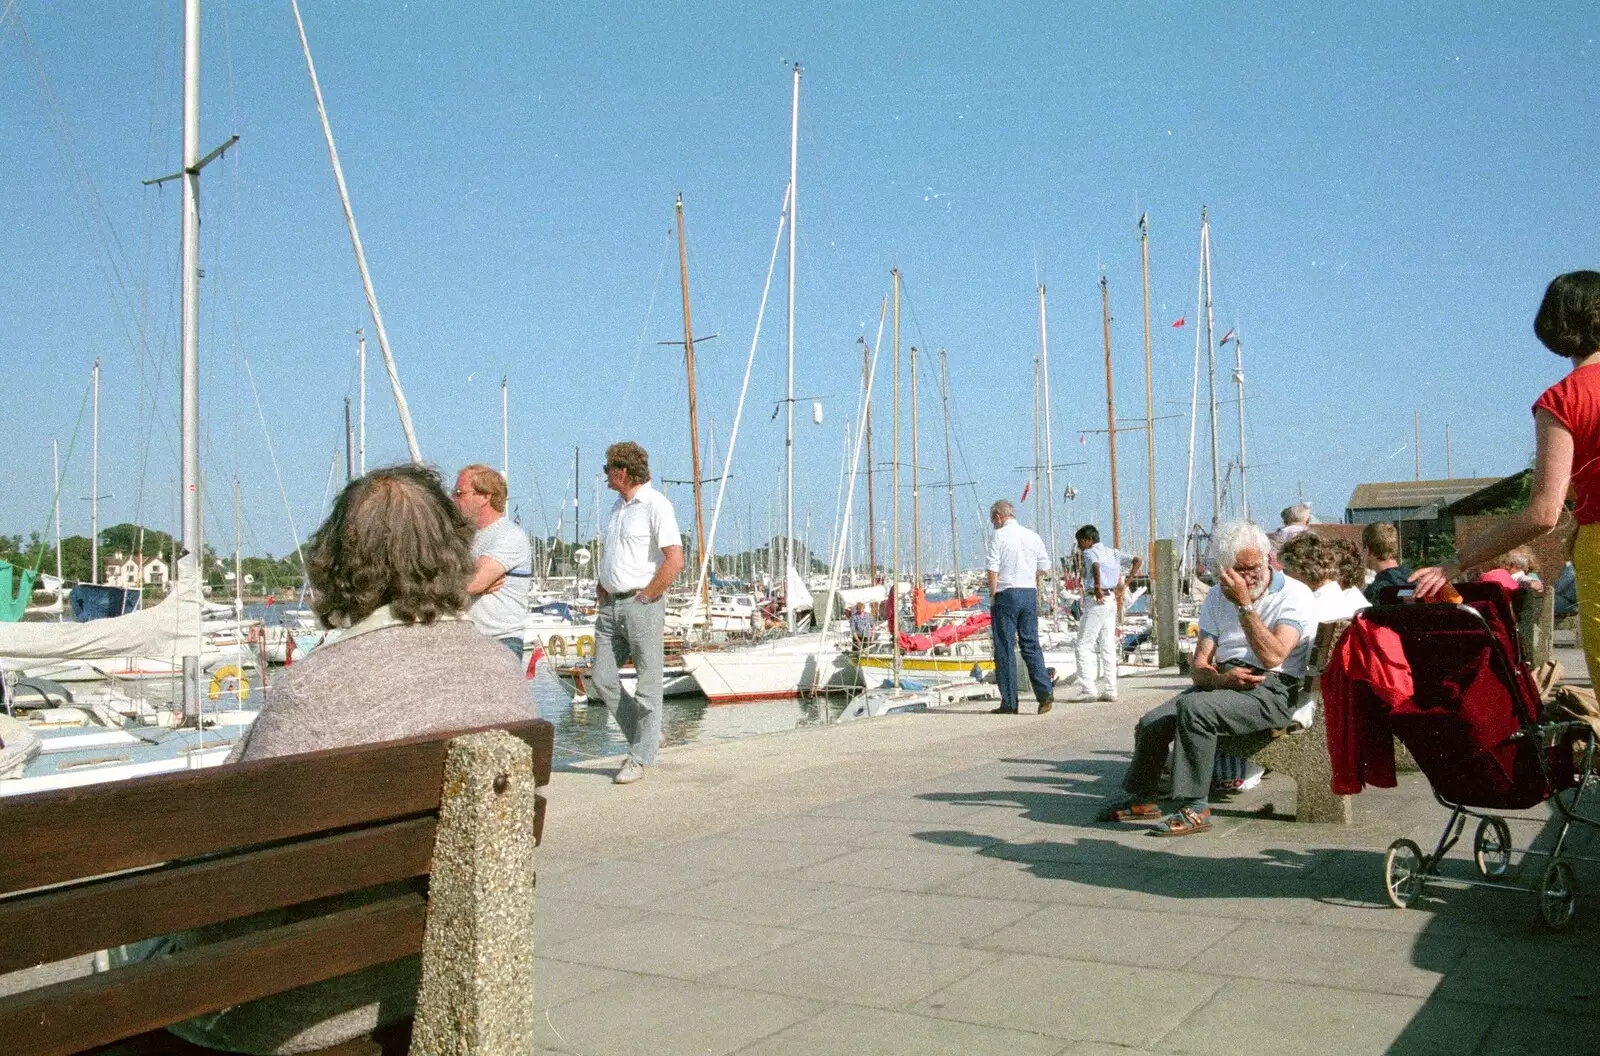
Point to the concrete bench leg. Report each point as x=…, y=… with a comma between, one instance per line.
x=1315, y=801
x=476, y=997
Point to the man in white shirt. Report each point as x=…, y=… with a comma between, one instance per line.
x=1256, y=636
x=1017, y=558
x=641, y=554
x=503, y=574
x=1097, y=629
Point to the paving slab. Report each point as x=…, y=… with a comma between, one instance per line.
x=651, y=1016
x=772, y=900
x=917, y=917
x=1347, y=959
x=1074, y=1000
x=1253, y=1017
x=886, y=973
x=846, y=1030
x=670, y=944
x=897, y=870
x=1112, y=936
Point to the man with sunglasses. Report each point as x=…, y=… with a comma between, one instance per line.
x=1257, y=630
x=641, y=553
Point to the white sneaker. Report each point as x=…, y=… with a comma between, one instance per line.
x=1110, y=698
x=632, y=770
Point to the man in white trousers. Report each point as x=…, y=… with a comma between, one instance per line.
x=1097, y=628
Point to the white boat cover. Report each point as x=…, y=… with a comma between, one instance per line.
x=850, y=597
x=797, y=598
x=170, y=628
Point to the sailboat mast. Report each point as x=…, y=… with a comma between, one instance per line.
x=55, y=472
x=916, y=492
x=894, y=571
x=238, y=561
x=872, y=525
x=694, y=416
x=505, y=434
x=94, y=481
x=349, y=444
x=1049, y=492
x=1035, y=487
x=361, y=401
x=950, y=473
x=1149, y=393
x=1211, y=370
x=788, y=441
x=1238, y=384
x=189, y=257
x=1184, y=567
x=1111, y=415
x=576, y=484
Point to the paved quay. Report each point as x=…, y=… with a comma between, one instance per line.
x=936, y=884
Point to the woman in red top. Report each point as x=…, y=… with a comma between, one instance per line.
x=1566, y=424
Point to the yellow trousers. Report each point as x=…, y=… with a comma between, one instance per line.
x=1586, y=563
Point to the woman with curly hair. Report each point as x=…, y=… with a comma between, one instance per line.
x=1566, y=424
x=390, y=567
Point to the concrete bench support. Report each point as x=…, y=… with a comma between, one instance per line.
x=1302, y=757
x=476, y=997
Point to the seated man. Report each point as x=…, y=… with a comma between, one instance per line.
x=1256, y=636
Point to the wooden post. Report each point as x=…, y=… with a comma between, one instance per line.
x=1164, y=595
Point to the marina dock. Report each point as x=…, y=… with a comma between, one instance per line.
x=935, y=883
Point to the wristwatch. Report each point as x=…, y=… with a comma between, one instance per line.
x=1244, y=609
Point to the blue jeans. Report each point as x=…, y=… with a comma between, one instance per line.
x=1015, y=613
x=514, y=644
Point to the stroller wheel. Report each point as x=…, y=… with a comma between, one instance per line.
x=1558, y=895
x=1491, y=848
x=1402, y=873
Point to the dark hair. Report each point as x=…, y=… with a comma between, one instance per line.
x=1568, y=322
x=1381, y=540
x=1089, y=532
x=1352, y=573
x=630, y=456
x=393, y=538
x=1308, y=558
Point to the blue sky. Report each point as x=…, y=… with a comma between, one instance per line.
x=1389, y=193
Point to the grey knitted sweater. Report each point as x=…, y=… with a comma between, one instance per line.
x=395, y=681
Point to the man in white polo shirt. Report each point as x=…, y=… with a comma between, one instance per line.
x=1097, y=628
x=641, y=554
x=1017, y=558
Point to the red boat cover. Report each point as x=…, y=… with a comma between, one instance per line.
x=945, y=635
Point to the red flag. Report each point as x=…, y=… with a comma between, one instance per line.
x=1225, y=338
x=1025, y=489
x=1177, y=325
x=534, y=656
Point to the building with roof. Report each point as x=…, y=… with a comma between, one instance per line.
x=1410, y=500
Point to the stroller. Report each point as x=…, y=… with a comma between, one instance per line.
x=1472, y=722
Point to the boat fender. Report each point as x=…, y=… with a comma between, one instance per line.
x=586, y=646
x=558, y=645
x=229, y=679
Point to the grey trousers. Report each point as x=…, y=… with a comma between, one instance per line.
x=1196, y=718
x=630, y=629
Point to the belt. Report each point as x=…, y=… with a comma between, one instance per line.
x=621, y=595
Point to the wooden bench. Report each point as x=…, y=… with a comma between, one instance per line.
x=1302, y=755
x=452, y=818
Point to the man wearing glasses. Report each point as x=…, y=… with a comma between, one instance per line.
x=502, y=576
x=1256, y=635
x=641, y=554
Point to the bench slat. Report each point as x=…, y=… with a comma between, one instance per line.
x=52, y=837
x=72, y=1016
x=60, y=923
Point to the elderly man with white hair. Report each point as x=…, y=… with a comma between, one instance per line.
x=1256, y=635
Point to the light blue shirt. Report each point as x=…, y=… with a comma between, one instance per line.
x=1109, y=562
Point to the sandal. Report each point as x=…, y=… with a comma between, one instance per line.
x=1130, y=811
x=1186, y=822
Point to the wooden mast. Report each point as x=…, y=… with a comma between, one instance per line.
x=894, y=573
x=1149, y=392
x=1111, y=417
x=694, y=419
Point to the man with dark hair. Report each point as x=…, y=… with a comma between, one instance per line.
x=641, y=554
x=1097, y=627
x=1017, y=559
x=503, y=573
x=1380, y=547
